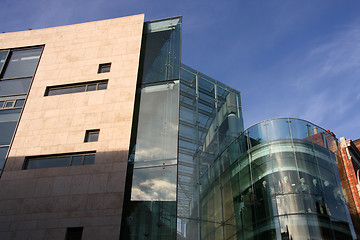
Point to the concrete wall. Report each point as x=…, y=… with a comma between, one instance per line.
x=42, y=203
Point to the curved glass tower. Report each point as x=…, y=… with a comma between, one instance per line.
x=277, y=180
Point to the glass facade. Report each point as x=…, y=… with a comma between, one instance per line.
x=277, y=180
x=194, y=173
x=150, y=197
x=17, y=69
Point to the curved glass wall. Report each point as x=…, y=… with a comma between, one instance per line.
x=277, y=180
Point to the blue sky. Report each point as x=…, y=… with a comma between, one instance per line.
x=288, y=58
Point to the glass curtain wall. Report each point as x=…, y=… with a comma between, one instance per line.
x=277, y=180
x=150, y=200
x=17, y=69
x=210, y=118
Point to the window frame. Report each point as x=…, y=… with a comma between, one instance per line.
x=89, y=132
x=50, y=156
x=71, y=85
x=103, y=66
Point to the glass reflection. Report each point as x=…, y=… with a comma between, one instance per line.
x=288, y=189
x=154, y=184
x=22, y=63
x=15, y=86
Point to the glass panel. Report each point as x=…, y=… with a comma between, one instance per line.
x=76, y=160
x=91, y=87
x=48, y=162
x=92, y=136
x=66, y=90
x=9, y=115
x=154, y=184
x=104, y=68
x=277, y=129
x=22, y=63
x=15, y=86
x=1, y=104
x=9, y=104
x=3, y=152
x=161, y=60
x=157, y=134
x=102, y=86
x=3, y=55
x=20, y=103
x=7, y=130
x=300, y=129
x=89, y=159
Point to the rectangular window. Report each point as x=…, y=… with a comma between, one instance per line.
x=59, y=160
x=22, y=63
x=92, y=135
x=13, y=103
x=76, y=87
x=74, y=233
x=104, y=68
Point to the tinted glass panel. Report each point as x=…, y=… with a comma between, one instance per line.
x=15, y=86
x=48, y=162
x=9, y=115
x=3, y=151
x=7, y=130
x=2, y=58
x=92, y=136
x=89, y=159
x=104, y=68
x=1, y=104
x=9, y=104
x=22, y=63
x=76, y=160
x=20, y=103
x=91, y=87
x=67, y=90
x=102, y=86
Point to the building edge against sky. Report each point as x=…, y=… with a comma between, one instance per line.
x=117, y=138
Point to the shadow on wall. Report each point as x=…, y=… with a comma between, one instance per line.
x=42, y=203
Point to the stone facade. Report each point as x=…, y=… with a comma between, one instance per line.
x=43, y=203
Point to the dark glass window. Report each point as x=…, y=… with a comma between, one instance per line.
x=77, y=160
x=60, y=160
x=89, y=159
x=7, y=130
x=3, y=152
x=91, y=87
x=20, y=103
x=22, y=63
x=92, y=135
x=15, y=86
x=3, y=55
x=9, y=104
x=75, y=88
x=104, y=68
x=74, y=233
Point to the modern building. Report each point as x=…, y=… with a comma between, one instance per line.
x=105, y=134
x=349, y=165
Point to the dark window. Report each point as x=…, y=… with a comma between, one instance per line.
x=59, y=160
x=15, y=86
x=13, y=103
x=74, y=233
x=104, y=68
x=22, y=63
x=9, y=104
x=92, y=135
x=76, y=87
